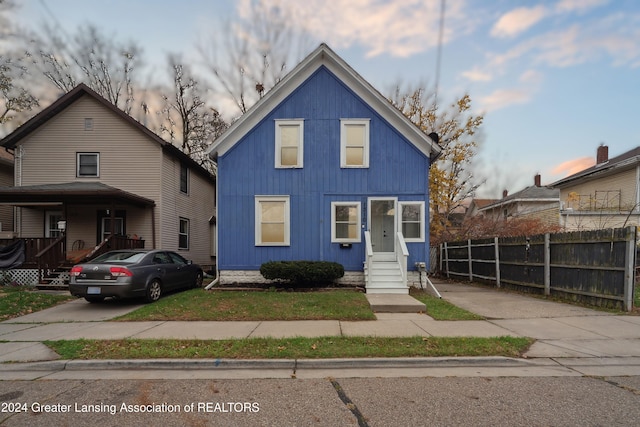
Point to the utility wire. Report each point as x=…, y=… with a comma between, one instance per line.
x=439, y=52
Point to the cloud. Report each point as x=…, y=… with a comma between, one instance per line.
x=477, y=75
x=399, y=29
x=571, y=167
x=565, y=6
x=502, y=98
x=531, y=77
x=518, y=20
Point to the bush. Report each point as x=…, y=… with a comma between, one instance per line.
x=302, y=273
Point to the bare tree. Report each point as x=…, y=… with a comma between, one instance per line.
x=187, y=118
x=105, y=65
x=249, y=57
x=15, y=98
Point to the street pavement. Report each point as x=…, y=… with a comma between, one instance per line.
x=570, y=341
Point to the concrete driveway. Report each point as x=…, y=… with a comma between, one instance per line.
x=80, y=311
x=492, y=304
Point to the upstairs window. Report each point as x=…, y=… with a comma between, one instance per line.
x=87, y=165
x=354, y=143
x=289, y=143
x=184, y=178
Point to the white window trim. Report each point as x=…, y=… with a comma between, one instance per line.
x=343, y=142
x=188, y=223
x=258, y=220
x=97, y=175
x=278, y=147
x=334, y=239
x=422, y=219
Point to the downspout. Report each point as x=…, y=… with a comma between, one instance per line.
x=17, y=212
x=214, y=157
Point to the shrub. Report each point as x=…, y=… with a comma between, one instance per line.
x=302, y=273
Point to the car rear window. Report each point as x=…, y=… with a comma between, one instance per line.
x=120, y=257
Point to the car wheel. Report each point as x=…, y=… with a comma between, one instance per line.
x=198, y=282
x=94, y=300
x=154, y=290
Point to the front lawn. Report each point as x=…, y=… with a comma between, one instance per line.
x=198, y=304
x=16, y=301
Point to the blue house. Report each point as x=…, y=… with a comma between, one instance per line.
x=323, y=167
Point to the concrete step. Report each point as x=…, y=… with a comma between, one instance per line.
x=394, y=303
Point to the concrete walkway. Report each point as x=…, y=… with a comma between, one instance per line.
x=563, y=331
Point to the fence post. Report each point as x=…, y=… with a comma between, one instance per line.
x=497, y=256
x=547, y=264
x=446, y=254
x=630, y=270
x=470, y=260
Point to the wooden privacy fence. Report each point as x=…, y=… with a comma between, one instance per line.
x=597, y=267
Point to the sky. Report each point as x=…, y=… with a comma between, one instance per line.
x=554, y=79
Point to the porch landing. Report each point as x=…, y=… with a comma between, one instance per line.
x=395, y=303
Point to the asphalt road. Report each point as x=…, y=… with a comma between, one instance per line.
x=479, y=401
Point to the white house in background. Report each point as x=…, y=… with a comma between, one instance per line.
x=606, y=195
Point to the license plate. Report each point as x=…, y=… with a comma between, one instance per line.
x=91, y=290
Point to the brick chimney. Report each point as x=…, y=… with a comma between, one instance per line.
x=536, y=180
x=602, y=155
x=505, y=193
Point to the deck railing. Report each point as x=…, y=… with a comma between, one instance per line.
x=47, y=253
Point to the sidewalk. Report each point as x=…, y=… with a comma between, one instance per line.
x=562, y=331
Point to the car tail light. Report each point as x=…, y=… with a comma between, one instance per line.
x=121, y=272
x=75, y=270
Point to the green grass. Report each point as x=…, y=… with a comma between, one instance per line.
x=18, y=301
x=198, y=304
x=440, y=309
x=292, y=348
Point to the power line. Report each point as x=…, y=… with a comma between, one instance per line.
x=439, y=52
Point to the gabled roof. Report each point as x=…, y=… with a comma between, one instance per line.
x=324, y=56
x=13, y=139
x=625, y=160
x=532, y=193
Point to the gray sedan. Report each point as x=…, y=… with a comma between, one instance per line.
x=133, y=273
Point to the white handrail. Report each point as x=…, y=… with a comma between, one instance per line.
x=369, y=256
x=402, y=253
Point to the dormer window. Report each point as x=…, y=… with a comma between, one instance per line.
x=289, y=149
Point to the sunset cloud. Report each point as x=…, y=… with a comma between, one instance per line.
x=502, y=98
x=571, y=167
x=399, y=29
x=518, y=21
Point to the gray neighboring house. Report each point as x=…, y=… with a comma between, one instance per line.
x=533, y=202
x=89, y=178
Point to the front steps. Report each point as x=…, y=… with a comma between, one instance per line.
x=385, y=277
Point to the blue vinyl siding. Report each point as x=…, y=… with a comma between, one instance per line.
x=397, y=169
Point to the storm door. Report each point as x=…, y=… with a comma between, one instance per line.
x=382, y=226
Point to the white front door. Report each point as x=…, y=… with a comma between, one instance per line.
x=382, y=226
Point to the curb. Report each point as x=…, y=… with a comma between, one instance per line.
x=276, y=364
